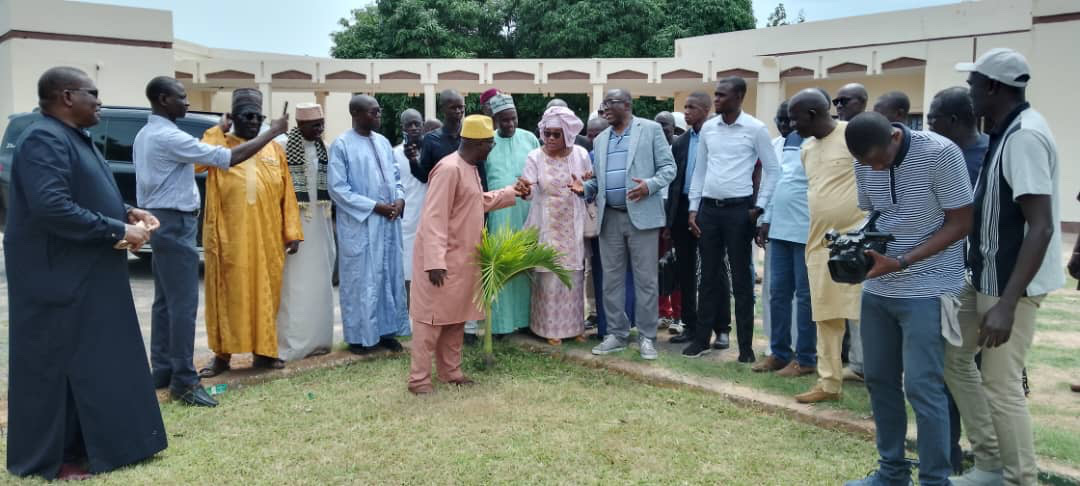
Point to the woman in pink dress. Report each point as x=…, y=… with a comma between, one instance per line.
x=555, y=171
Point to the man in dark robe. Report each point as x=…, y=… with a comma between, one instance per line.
x=80, y=396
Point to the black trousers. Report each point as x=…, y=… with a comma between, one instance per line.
x=726, y=231
x=686, y=262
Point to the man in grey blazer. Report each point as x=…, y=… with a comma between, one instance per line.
x=632, y=163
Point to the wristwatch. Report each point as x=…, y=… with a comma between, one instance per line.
x=903, y=262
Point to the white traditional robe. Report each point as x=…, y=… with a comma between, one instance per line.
x=306, y=317
x=362, y=173
x=414, y=202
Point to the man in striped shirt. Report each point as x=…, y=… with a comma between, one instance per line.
x=1012, y=270
x=917, y=182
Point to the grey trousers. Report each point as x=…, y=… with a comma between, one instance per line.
x=621, y=242
x=176, y=297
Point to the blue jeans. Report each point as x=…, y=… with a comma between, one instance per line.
x=176, y=297
x=904, y=351
x=788, y=279
x=598, y=290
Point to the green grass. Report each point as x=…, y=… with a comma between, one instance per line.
x=1062, y=444
x=531, y=420
x=1057, y=357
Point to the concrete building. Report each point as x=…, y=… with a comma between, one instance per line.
x=911, y=51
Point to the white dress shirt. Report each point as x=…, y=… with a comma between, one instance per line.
x=726, y=158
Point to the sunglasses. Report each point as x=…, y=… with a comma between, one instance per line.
x=92, y=92
x=841, y=101
x=251, y=116
x=552, y=134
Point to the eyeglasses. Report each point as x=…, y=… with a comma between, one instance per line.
x=608, y=103
x=92, y=92
x=252, y=116
x=842, y=101
x=552, y=134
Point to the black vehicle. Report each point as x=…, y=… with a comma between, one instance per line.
x=114, y=136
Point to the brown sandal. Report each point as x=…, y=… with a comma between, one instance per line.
x=217, y=367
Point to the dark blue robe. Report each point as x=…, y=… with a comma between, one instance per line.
x=79, y=379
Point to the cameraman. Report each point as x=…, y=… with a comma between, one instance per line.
x=918, y=182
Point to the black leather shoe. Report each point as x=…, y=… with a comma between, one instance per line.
x=392, y=344
x=746, y=357
x=361, y=350
x=722, y=341
x=195, y=396
x=682, y=337
x=161, y=378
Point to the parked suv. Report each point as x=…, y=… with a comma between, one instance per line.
x=114, y=136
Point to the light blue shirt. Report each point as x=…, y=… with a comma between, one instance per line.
x=691, y=157
x=617, y=150
x=788, y=214
x=164, y=157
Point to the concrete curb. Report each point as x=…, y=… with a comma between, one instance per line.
x=1049, y=471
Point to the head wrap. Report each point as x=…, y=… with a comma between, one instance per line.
x=564, y=119
x=477, y=127
x=308, y=112
x=246, y=96
x=500, y=102
x=487, y=95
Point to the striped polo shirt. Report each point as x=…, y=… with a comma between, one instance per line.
x=618, y=149
x=928, y=176
x=1022, y=160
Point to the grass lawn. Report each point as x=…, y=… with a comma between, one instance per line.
x=532, y=420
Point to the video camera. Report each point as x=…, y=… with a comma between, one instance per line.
x=848, y=261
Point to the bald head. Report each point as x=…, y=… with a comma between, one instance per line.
x=667, y=124
x=808, y=111
x=366, y=114
x=452, y=107
x=361, y=102
x=850, y=101
x=867, y=135
x=595, y=126
x=894, y=105
x=53, y=83
x=952, y=115
x=412, y=124
x=556, y=102
x=431, y=125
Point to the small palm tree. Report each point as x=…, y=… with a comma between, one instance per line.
x=502, y=256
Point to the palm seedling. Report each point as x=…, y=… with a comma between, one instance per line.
x=502, y=256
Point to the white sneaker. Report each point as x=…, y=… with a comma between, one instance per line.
x=610, y=344
x=676, y=327
x=978, y=477
x=648, y=350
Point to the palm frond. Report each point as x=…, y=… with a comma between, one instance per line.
x=506, y=253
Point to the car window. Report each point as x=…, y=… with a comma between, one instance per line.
x=193, y=127
x=120, y=137
x=14, y=129
x=97, y=135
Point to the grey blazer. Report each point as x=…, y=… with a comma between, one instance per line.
x=649, y=159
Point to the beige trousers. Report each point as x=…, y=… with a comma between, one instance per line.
x=992, y=405
x=830, y=344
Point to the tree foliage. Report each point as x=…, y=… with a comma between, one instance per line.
x=529, y=29
x=779, y=16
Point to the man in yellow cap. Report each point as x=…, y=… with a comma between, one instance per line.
x=444, y=275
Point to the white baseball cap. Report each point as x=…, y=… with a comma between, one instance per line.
x=1003, y=65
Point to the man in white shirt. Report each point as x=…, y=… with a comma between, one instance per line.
x=724, y=213
x=412, y=125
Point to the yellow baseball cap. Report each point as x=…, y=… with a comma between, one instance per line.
x=477, y=127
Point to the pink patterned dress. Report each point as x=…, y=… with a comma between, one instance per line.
x=559, y=215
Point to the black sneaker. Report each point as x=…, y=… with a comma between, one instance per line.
x=695, y=350
x=683, y=337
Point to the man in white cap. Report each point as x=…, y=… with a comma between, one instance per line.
x=306, y=317
x=1011, y=271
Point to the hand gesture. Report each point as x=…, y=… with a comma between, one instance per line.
x=398, y=209
x=226, y=123
x=437, y=277
x=412, y=152
x=291, y=247
x=639, y=192
x=882, y=264
x=576, y=186
x=997, y=325
x=136, y=215
x=280, y=125
x=694, y=229
x=523, y=187
x=386, y=210
x=762, y=236
x=136, y=235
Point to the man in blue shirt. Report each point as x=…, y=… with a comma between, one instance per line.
x=784, y=229
x=165, y=158
x=952, y=116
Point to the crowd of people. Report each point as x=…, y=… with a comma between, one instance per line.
x=949, y=306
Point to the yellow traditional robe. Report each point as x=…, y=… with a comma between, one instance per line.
x=250, y=213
